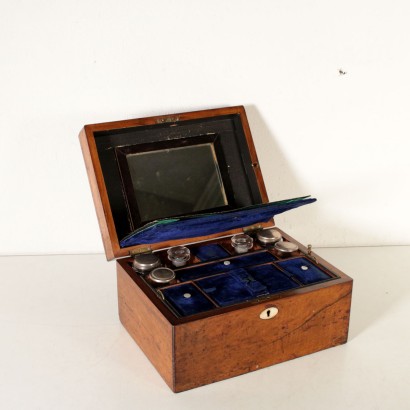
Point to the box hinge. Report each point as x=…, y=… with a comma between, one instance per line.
x=142, y=249
x=167, y=119
x=252, y=228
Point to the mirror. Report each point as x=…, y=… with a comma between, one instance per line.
x=175, y=181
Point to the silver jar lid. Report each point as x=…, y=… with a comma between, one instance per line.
x=286, y=247
x=241, y=243
x=179, y=255
x=145, y=262
x=162, y=275
x=268, y=236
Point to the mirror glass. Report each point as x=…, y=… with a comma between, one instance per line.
x=176, y=181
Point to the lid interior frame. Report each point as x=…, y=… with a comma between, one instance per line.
x=97, y=180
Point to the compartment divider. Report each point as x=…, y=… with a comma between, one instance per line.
x=207, y=296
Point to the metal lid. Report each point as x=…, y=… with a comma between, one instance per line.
x=286, y=247
x=162, y=275
x=268, y=236
x=145, y=262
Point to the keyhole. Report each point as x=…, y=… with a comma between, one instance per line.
x=269, y=313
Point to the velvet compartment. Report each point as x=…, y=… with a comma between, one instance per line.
x=237, y=284
x=252, y=259
x=270, y=276
x=230, y=288
x=187, y=299
x=211, y=252
x=303, y=270
x=207, y=224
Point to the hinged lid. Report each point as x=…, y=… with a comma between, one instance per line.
x=168, y=180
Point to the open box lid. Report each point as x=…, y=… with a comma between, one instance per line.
x=168, y=180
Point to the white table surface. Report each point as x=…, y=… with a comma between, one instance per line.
x=63, y=347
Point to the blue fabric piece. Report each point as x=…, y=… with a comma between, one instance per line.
x=207, y=224
x=207, y=253
x=255, y=287
x=271, y=277
x=196, y=303
x=226, y=289
x=312, y=275
x=195, y=272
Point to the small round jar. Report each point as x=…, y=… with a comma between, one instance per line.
x=285, y=248
x=161, y=277
x=179, y=255
x=268, y=237
x=241, y=243
x=145, y=262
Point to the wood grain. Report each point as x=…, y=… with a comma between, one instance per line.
x=101, y=203
x=146, y=325
x=238, y=342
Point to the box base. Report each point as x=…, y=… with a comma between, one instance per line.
x=192, y=353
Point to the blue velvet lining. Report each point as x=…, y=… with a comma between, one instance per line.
x=238, y=285
x=311, y=275
x=196, y=303
x=207, y=224
x=230, y=288
x=254, y=286
x=210, y=252
x=270, y=276
x=256, y=258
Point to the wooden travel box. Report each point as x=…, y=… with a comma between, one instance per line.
x=208, y=287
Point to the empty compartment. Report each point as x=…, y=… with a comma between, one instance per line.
x=271, y=277
x=210, y=252
x=187, y=299
x=304, y=270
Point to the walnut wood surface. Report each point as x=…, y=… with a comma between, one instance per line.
x=101, y=203
x=99, y=190
x=146, y=325
x=238, y=342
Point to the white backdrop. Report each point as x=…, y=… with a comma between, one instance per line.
x=342, y=138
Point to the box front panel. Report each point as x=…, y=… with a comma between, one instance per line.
x=241, y=341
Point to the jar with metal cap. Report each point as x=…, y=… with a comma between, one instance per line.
x=145, y=262
x=241, y=243
x=268, y=237
x=161, y=277
x=285, y=248
x=179, y=255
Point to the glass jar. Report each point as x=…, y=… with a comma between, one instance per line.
x=179, y=255
x=241, y=243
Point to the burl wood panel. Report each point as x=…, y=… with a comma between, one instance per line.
x=146, y=325
x=238, y=342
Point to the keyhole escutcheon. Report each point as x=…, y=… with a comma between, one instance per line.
x=269, y=313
